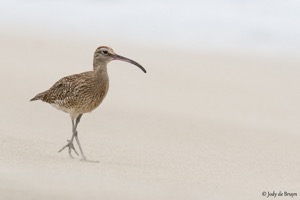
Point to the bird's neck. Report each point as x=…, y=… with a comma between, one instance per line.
x=100, y=67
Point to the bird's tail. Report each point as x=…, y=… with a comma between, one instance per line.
x=38, y=97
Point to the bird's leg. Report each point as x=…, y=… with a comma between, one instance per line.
x=76, y=136
x=70, y=142
x=77, y=140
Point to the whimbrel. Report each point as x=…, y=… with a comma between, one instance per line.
x=82, y=93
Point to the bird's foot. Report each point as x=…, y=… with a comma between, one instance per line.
x=84, y=159
x=71, y=147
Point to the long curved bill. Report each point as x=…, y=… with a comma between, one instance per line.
x=118, y=57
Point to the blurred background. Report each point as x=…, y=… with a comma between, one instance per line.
x=205, y=59
x=260, y=27
x=215, y=117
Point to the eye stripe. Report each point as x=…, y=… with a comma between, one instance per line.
x=104, y=52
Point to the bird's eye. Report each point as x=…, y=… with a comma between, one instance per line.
x=104, y=52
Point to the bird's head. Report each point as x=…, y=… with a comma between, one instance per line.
x=104, y=55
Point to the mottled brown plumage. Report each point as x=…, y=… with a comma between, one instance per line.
x=78, y=93
x=81, y=93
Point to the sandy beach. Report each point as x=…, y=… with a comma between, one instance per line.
x=198, y=125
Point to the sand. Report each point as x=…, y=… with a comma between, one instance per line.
x=198, y=125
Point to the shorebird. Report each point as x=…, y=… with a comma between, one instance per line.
x=82, y=93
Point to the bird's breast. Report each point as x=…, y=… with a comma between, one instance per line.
x=95, y=98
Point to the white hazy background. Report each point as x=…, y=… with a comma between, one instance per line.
x=268, y=26
x=216, y=116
